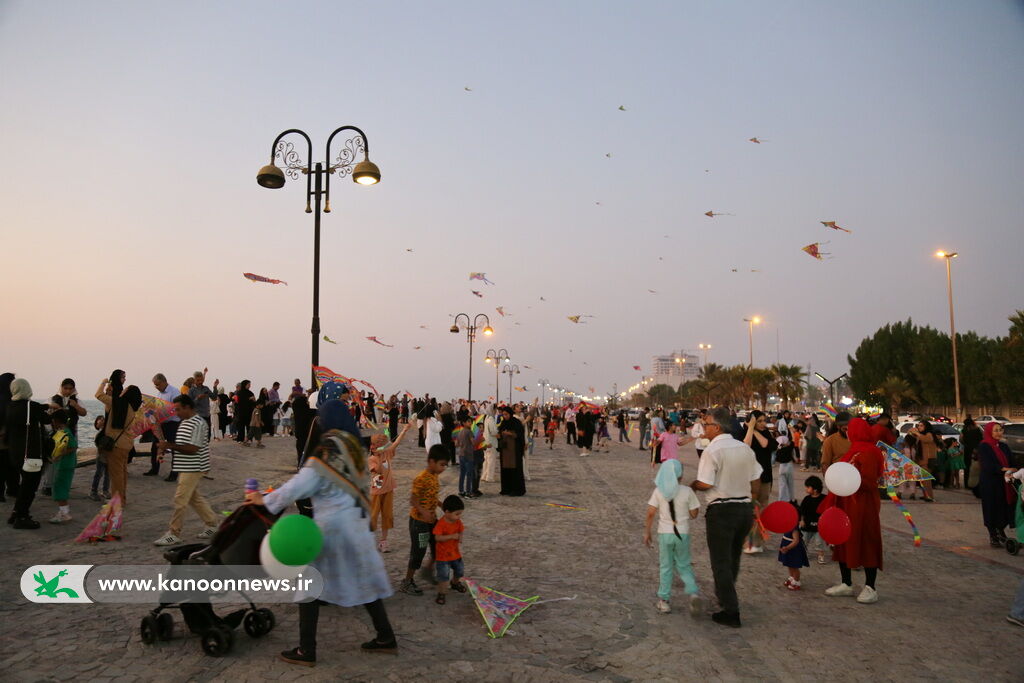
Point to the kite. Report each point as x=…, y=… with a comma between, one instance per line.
x=622, y=107
x=898, y=469
x=260, y=278
x=324, y=374
x=409, y=250
x=416, y=348
x=329, y=340
x=154, y=411
x=576, y=318
x=521, y=389
x=378, y=341
x=423, y=327
x=712, y=214
x=526, y=366
x=735, y=270
x=756, y=141
x=652, y=291
x=636, y=367
x=480, y=276
x=497, y=609
x=815, y=250
x=830, y=410
x=598, y=203
x=468, y=89
x=501, y=311
x=477, y=293
x=832, y=224
x=564, y=507
x=543, y=299
x=105, y=523
x=591, y=389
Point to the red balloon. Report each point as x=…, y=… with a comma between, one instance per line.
x=834, y=526
x=779, y=517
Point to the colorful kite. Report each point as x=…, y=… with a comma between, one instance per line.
x=815, y=250
x=830, y=409
x=480, y=276
x=477, y=293
x=899, y=469
x=324, y=374
x=260, y=278
x=636, y=367
x=154, y=411
x=712, y=214
x=497, y=609
x=832, y=224
x=329, y=340
x=378, y=341
x=577, y=318
x=104, y=525
x=521, y=389
x=501, y=311
x=757, y=141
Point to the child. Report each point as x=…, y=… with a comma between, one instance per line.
x=669, y=442
x=63, y=461
x=675, y=506
x=101, y=466
x=255, y=432
x=447, y=550
x=467, y=464
x=549, y=431
x=423, y=504
x=286, y=418
x=784, y=456
x=809, y=517
x=793, y=555
x=955, y=462
x=382, y=485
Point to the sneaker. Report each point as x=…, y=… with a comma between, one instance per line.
x=60, y=518
x=867, y=596
x=840, y=590
x=95, y=496
x=173, y=476
x=793, y=585
x=663, y=606
x=151, y=473
x=696, y=605
x=1014, y=620
x=297, y=656
x=25, y=522
x=385, y=646
x=409, y=587
x=169, y=539
x=382, y=546
x=208, y=532
x=726, y=619
x=753, y=550
x=821, y=557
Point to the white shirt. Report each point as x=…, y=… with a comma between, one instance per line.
x=685, y=501
x=782, y=427
x=728, y=466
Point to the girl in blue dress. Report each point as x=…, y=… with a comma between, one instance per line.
x=793, y=555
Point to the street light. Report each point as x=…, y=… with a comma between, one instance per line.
x=496, y=357
x=830, y=383
x=510, y=370
x=471, y=328
x=756, y=320
x=705, y=348
x=949, y=256
x=272, y=176
x=543, y=384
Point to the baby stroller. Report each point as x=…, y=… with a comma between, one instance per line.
x=237, y=542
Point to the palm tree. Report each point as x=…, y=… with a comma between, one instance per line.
x=895, y=390
x=1016, y=336
x=761, y=382
x=789, y=381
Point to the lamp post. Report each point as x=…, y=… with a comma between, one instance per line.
x=496, y=357
x=705, y=348
x=318, y=185
x=510, y=370
x=949, y=256
x=543, y=384
x=830, y=383
x=471, y=327
x=756, y=320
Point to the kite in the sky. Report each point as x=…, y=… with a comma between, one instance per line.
x=598, y=203
x=712, y=214
x=329, y=340
x=480, y=276
x=608, y=155
x=260, y=278
x=591, y=389
x=501, y=311
x=543, y=299
x=636, y=367
x=757, y=141
x=468, y=89
x=409, y=250
x=423, y=327
x=378, y=341
x=622, y=107
x=735, y=270
x=832, y=224
x=576, y=318
x=521, y=389
x=815, y=250
x=416, y=348
x=652, y=291
x=528, y=367
x=477, y=293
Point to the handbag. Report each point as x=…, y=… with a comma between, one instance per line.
x=30, y=465
x=105, y=442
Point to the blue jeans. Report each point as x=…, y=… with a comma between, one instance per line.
x=467, y=474
x=674, y=554
x=645, y=436
x=454, y=565
x=101, y=473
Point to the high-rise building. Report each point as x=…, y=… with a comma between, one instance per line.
x=675, y=369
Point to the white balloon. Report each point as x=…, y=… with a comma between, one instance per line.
x=274, y=568
x=842, y=479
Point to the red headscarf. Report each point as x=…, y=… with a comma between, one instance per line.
x=997, y=448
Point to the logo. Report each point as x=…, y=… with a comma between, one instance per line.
x=57, y=583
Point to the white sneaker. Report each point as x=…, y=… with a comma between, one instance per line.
x=169, y=539
x=867, y=596
x=840, y=590
x=60, y=518
x=382, y=546
x=696, y=605
x=663, y=606
x=753, y=550
x=208, y=532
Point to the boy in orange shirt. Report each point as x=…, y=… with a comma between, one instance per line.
x=447, y=551
x=423, y=506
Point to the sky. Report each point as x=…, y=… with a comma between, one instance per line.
x=132, y=134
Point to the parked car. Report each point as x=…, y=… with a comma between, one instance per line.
x=935, y=417
x=1013, y=435
x=985, y=419
x=945, y=431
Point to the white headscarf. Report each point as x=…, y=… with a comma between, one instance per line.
x=21, y=390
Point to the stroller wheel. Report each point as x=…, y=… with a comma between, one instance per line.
x=148, y=629
x=268, y=618
x=217, y=641
x=255, y=624
x=165, y=626
x=1012, y=546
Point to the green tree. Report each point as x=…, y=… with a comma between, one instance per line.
x=762, y=381
x=894, y=392
x=662, y=394
x=889, y=351
x=788, y=382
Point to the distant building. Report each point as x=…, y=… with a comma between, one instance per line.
x=675, y=369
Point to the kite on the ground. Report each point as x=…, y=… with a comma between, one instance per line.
x=815, y=250
x=105, y=524
x=480, y=276
x=378, y=341
x=712, y=214
x=636, y=367
x=565, y=507
x=832, y=224
x=498, y=609
x=899, y=469
x=757, y=141
x=478, y=294
x=329, y=340
x=260, y=278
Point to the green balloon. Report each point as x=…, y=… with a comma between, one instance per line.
x=295, y=540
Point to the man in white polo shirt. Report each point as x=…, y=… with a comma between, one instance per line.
x=730, y=476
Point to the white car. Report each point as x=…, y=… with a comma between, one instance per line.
x=944, y=430
x=985, y=419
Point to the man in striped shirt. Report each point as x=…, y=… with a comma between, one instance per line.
x=191, y=447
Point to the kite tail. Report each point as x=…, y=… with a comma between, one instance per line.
x=906, y=513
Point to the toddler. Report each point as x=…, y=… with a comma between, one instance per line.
x=793, y=556
x=674, y=506
x=447, y=548
x=255, y=433
x=63, y=461
x=955, y=464
x=809, y=517
x=101, y=466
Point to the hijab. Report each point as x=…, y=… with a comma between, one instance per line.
x=997, y=448
x=334, y=414
x=340, y=457
x=667, y=479
x=331, y=391
x=119, y=410
x=21, y=390
x=862, y=440
x=5, y=390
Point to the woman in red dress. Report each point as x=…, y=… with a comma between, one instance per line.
x=864, y=547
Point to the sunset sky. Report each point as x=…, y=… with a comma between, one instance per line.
x=132, y=133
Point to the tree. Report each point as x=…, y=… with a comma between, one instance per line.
x=761, y=383
x=662, y=394
x=789, y=381
x=894, y=391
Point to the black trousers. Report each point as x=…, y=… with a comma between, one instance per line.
x=570, y=433
x=10, y=475
x=421, y=537
x=727, y=527
x=309, y=615
x=478, y=460
x=26, y=492
x=170, y=430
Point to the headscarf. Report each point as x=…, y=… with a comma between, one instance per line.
x=882, y=433
x=331, y=391
x=334, y=414
x=5, y=391
x=119, y=410
x=21, y=390
x=667, y=479
x=997, y=448
x=340, y=457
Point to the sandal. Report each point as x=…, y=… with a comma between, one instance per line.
x=439, y=599
x=460, y=587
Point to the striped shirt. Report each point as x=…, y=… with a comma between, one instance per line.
x=193, y=431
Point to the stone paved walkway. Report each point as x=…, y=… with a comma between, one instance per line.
x=940, y=615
